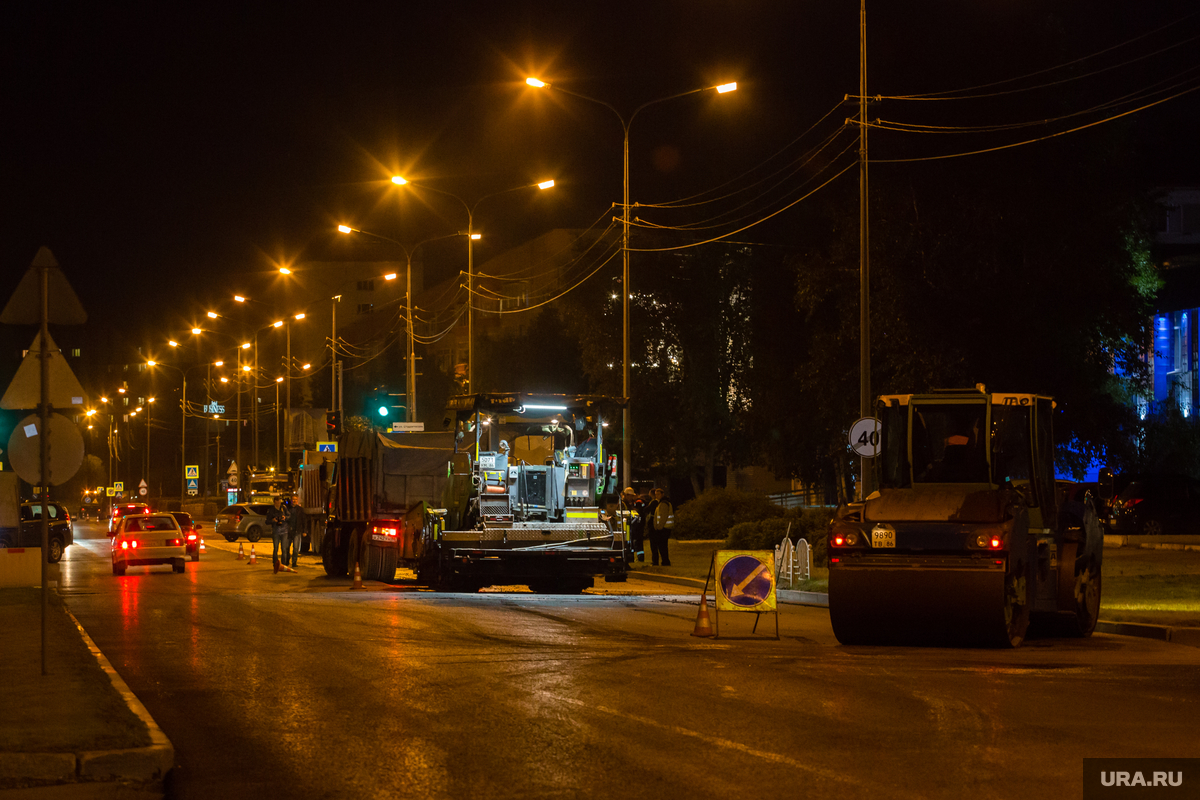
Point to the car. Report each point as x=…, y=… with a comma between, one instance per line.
x=189, y=528
x=1158, y=505
x=121, y=510
x=148, y=539
x=243, y=519
x=29, y=532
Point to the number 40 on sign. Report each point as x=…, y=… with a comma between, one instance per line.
x=864, y=437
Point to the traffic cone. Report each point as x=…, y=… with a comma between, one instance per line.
x=241, y=552
x=357, y=577
x=703, y=628
x=253, y=558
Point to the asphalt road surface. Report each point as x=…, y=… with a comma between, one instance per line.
x=291, y=686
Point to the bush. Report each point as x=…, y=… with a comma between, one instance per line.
x=715, y=511
x=808, y=524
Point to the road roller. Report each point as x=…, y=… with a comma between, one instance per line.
x=969, y=537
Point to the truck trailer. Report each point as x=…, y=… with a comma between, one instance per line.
x=969, y=536
x=511, y=493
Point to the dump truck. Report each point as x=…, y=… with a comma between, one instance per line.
x=510, y=494
x=968, y=537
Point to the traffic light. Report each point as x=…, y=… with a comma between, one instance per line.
x=333, y=423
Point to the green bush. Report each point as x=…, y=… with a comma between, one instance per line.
x=766, y=534
x=715, y=511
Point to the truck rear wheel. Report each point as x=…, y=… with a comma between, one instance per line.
x=1016, y=608
x=1087, y=599
x=387, y=571
x=333, y=557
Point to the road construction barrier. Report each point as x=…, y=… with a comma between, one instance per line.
x=703, y=627
x=793, y=562
x=241, y=552
x=357, y=577
x=253, y=557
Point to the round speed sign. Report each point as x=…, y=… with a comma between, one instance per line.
x=864, y=437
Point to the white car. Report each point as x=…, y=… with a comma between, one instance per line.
x=148, y=539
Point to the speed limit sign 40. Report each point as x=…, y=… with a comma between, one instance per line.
x=864, y=437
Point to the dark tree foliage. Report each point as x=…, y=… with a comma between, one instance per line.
x=536, y=356
x=1025, y=275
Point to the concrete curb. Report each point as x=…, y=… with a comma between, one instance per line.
x=145, y=766
x=1152, y=542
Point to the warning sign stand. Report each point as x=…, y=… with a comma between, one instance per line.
x=743, y=580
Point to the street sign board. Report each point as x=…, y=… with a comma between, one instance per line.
x=231, y=497
x=25, y=390
x=110, y=491
x=408, y=427
x=193, y=484
x=864, y=437
x=119, y=486
x=25, y=306
x=191, y=471
x=142, y=491
x=65, y=446
x=326, y=447
x=192, y=492
x=745, y=580
x=142, y=483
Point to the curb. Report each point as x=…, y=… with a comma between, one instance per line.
x=147, y=766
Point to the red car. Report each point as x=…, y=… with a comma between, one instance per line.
x=189, y=528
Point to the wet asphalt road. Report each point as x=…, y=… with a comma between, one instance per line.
x=292, y=686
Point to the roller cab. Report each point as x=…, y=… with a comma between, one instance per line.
x=965, y=541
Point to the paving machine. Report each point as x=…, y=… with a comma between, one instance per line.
x=968, y=537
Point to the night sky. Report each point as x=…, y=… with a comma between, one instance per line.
x=166, y=152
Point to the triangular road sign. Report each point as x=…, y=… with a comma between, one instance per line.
x=25, y=305
x=25, y=391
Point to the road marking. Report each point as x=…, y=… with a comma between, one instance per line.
x=765, y=755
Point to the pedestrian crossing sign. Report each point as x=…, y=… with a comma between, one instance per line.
x=192, y=471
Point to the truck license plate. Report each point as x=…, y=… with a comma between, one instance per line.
x=378, y=537
x=882, y=538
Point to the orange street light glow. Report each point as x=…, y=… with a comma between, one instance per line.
x=218, y=363
x=224, y=380
x=476, y=236
x=121, y=390
x=103, y=399
x=246, y=346
x=534, y=82
x=246, y=368
x=277, y=324
x=391, y=276
x=150, y=399
x=306, y=366
x=300, y=315
x=279, y=380
x=151, y=363
x=396, y=179
x=285, y=271
x=727, y=87
x=173, y=343
x=546, y=184
x=197, y=331
x=345, y=229
x=239, y=298
x=213, y=314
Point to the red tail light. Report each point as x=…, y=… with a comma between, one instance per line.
x=134, y=543
x=386, y=531
x=237, y=518
x=191, y=537
x=124, y=545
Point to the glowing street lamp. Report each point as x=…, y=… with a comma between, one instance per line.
x=626, y=439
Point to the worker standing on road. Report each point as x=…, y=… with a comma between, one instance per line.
x=277, y=518
x=631, y=507
x=297, y=525
x=660, y=516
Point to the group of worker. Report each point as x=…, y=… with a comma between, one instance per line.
x=648, y=517
x=288, y=525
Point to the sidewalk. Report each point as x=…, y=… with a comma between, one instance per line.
x=78, y=724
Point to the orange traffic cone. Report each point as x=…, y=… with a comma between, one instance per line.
x=253, y=557
x=702, y=626
x=357, y=577
x=241, y=552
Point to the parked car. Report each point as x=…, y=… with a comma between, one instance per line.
x=28, y=533
x=1158, y=505
x=147, y=539
x=243, y=519
x=190, y=530
x=121, y=510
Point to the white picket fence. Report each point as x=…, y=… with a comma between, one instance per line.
x=793, y=563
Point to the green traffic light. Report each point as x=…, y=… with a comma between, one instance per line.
x=383, y=411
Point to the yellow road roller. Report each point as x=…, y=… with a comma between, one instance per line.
x=969, y=536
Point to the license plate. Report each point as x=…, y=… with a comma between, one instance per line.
x=883, y=538
x=487, y=461
x=379, y=537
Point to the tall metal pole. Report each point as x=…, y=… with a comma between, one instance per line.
x=238, y=433
x=470, y=304
x=44, y=443
x=287, y=421
x=410, y=385
x=183, y=445
x=276, y=427
x=333, y=362
x=864, y=336
x=257, y=462
x=207, y=426
x=626, y=418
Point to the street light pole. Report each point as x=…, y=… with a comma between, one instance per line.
x=626, y=418
x=471, y=237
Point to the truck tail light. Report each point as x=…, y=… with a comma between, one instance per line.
x=385, y=530
x=124, y=545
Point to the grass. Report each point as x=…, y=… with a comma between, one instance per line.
x=74, y=707
x=1160, y=587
